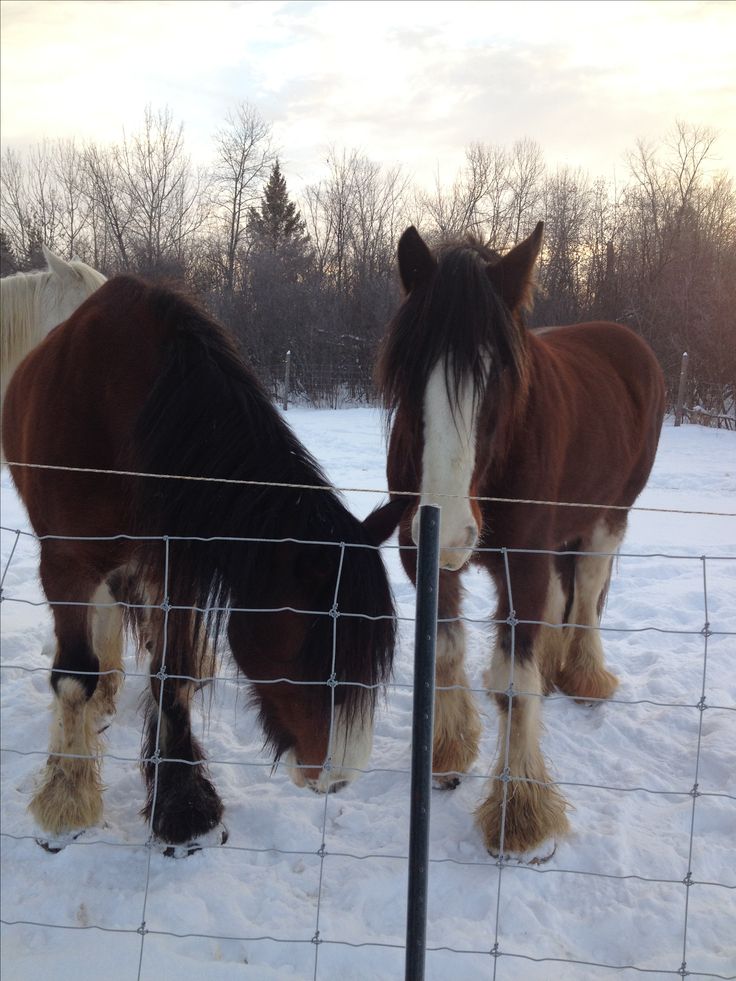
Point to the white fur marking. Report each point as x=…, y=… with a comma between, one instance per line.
x=447, y=467
x=350, y=751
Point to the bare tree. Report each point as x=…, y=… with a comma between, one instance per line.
x=109, y=205
x=74, y=211
x=16, y=217
x=526, y=175
x=245, y=156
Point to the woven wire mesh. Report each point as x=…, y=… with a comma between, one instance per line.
x=497, y=951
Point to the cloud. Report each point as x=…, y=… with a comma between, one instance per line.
x=404, y=82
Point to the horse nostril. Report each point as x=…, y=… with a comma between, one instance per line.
x=338, y=786
x=471, y=536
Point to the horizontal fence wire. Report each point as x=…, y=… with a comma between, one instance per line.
x=505, y=864
x=438, y=495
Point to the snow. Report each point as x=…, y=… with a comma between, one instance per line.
x=613, y=894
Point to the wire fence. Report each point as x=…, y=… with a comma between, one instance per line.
x=496, y=951
x=336, y=384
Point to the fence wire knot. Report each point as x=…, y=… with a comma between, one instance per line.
x=702, y=704
x=321, y=852
x=142, y=929
x=494, y=951
x=316, y=940
x=511, y=619
x=706, y=631
x=694, y=793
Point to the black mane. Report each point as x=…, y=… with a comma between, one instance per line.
x=208, y=415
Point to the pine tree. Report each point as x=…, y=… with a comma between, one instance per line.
x=8, y=260
x=277, y=223
x=35, y=258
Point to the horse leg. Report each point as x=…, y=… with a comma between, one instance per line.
x=584, y=674
x=107, y=643
x=182, y=803
x=553, y=637
x=69, y=795
x=457, y=726
x=523, y=809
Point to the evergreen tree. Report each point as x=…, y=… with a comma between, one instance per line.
x=8, y=260
x=277, y=223
x=35, y=258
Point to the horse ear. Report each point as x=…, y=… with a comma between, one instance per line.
x=513, y=276
x=382, y=522
x=59, y=266
x=416, y=264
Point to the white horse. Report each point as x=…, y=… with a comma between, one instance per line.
x=34, y=302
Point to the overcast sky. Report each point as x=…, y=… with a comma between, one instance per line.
x=405, y=82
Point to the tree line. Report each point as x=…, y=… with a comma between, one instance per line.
x=315, y=274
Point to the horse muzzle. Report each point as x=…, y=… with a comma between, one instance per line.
x=455, y=548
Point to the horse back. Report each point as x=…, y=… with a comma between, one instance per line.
x=73, y=402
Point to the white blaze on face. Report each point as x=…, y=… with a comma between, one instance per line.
x=447, y=467
x=350, y=753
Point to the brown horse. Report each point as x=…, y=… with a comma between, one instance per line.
x=484, y=408
x=140, y=380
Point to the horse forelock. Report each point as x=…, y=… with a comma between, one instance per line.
x=458, y=318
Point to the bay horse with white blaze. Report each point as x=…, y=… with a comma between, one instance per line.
x=481, y=408
x=140, y=380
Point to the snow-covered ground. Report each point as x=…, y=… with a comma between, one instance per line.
x=613, y=894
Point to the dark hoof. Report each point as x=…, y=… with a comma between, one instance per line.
x=55, y=845
x=445, y=783
x=187, y=807
x=218, y=836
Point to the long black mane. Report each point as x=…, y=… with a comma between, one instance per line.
x=209, y=416
x=457, y=315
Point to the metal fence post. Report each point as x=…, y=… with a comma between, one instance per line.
x=425, y=640
x=287, y=372
x=681, y=391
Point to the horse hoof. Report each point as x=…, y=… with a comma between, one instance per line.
x=535, y=856
x=213, y=839
x=59, y=842
x=446, y=782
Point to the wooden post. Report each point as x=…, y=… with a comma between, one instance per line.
x=287, y=371
x=681, y=391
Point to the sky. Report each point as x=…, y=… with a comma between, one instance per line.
x=409, y=83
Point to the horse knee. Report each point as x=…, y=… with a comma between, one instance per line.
x=76, y=662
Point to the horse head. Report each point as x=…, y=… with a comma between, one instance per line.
x=66, y=287
x=457, y=336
